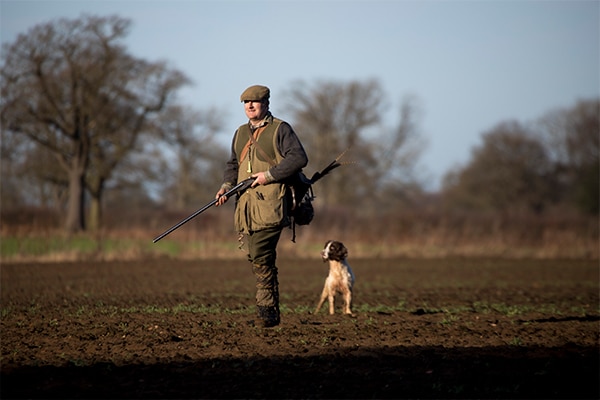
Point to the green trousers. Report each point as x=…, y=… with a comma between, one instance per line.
x=262, y=253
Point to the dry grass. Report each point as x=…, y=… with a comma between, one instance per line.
x=400, y=235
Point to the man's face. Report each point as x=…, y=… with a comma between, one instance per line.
x=255, y=110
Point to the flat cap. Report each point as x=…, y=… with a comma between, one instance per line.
x=255, y=93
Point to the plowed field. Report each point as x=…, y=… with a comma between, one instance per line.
x=423, y=328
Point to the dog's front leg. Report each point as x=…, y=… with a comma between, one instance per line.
x=331, y=297
x=348, y=302
x=322, y=299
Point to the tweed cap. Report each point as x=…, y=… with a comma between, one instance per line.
x=255, y=93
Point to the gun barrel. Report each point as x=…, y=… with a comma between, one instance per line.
x=240, y=187
x=194, y=215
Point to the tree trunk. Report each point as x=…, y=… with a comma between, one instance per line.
x=75, y=221
x=95, y=215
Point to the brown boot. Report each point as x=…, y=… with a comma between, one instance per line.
x=267, y=294
x=269, y=316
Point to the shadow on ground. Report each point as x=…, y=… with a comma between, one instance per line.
x=389, y=372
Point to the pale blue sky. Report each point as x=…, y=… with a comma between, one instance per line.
x=472, y=64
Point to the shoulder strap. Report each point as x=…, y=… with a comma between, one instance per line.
x=251, y=140
x=260, y=149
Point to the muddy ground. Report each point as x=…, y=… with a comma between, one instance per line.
x=422, y=329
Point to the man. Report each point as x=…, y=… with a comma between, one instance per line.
x=268, y=150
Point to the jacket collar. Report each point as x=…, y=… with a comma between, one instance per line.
x=268, y=119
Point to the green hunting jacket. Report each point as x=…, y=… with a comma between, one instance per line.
x=264, y=206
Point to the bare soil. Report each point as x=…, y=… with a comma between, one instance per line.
x=422, y=329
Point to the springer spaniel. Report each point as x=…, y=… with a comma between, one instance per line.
x=340, y=278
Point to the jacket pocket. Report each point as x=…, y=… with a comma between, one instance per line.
x=266, y=206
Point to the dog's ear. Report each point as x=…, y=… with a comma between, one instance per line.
x=337, y=251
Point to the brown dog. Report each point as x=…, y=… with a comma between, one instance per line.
x=340, y=278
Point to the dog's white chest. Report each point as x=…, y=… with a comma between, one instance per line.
x=340, y=277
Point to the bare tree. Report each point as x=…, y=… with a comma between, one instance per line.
x=70, y=86
x=331, y=117
x=397, y=152
x=573, y=141
x=194, y=162
x=509, y=171
x=13, y=150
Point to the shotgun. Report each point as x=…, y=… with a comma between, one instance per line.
x=239, y=188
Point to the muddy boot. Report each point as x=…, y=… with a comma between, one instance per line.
x=267, y=294
x=269, y=316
